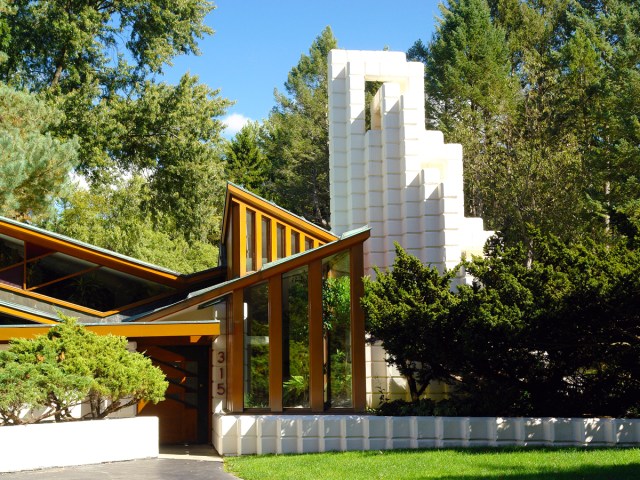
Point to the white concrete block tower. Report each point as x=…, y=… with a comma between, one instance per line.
x=400, y=179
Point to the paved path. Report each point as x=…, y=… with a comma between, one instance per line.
x=175, y=463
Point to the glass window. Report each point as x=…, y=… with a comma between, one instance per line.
x=295, y=339
x=336, y=328
x=103, y=289
x=295, y=243
x=11, y=251
x=308, y=243
x=256, y=344
x=13, y=276
x=281, y=232
x=266, y=240
x=53, y=267
x=229, y=246
x=251, y=245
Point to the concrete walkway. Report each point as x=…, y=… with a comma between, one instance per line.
x=189, y=462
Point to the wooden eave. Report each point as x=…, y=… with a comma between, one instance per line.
x=268, y=271
x=195, y=330
x=92, y=254
x=240, y=195
x=27, y=314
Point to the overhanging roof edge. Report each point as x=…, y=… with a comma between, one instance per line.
x=89, y=246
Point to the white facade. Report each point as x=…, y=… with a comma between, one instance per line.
x=278, y=434
x=400, y=179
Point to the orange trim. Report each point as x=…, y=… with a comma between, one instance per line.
x=288, y=248
x=275, y=343
x=267, y=208
x=26, y=316
x=158, y=329
x=263, y=275
x=88, y=254
x=257, y=239
x=273, y=243
x=235, y=354
x=316, y=367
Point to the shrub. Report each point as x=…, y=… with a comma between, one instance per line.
x=47, y=376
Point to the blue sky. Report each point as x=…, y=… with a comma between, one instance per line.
x=257, y=42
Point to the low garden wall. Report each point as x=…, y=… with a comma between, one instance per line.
x=261, y=434
x=45, y=445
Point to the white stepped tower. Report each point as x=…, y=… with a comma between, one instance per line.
x=400, y=179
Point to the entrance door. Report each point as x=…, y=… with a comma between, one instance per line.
x=184, y=414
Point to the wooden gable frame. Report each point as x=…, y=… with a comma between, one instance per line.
x=248, y=246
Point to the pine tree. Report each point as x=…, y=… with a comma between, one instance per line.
x=471, y=95
x=34, y=166
x=246, y=163
x=297, y=139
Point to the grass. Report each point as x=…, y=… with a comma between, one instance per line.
x=510, y=464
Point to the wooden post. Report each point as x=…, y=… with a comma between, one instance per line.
x=275, y=343
x=358, y=384
x=316, y=351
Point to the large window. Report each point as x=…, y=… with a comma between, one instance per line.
x=295, y=339
x=251, y=241
x=35, y=269
x=336, y=330
x=256, y=342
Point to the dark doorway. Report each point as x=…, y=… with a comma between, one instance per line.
x=184, y=414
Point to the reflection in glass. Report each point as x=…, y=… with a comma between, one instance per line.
x=308, y=243
x=336, y=329
x=53, y=267
x=266, y=240
x=295, y=338
x=295, y=243
x=251, y=246
x=281, y=232
x=11, y=251
x=103, y=289
x=256, y=344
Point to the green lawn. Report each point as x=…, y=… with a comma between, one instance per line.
x=516, y=464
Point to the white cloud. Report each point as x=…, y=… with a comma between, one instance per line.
x=234, y=123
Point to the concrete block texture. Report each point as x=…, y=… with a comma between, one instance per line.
x=398, y=175
x=318, y=433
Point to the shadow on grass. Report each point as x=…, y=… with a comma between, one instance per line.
x=612, y=472
x=629, y=471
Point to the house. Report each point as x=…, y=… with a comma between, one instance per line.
x=276, y=327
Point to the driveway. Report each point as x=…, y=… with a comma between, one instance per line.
x=199, y=462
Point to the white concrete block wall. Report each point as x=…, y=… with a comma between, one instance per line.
x=261, y=434
x=400, y=179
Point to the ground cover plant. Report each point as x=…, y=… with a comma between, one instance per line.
x=512, y=463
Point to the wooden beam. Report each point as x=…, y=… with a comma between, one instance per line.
x=275, y=344
x=316, y=349
x=358, y=379
x=235, y=354
x=264, y=274
x=89, y=253
x=155, y=329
